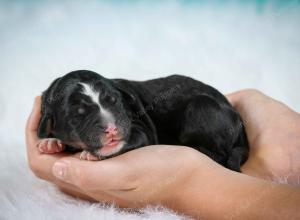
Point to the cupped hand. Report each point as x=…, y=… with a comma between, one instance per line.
x=149, y=175
x=158, y=174
x=273, y=131
x=182, y=178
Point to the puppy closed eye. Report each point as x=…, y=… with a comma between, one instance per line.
x=110, y=99
x=81, y=111
x=113, y=99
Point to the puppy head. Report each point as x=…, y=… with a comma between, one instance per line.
x=87, y=111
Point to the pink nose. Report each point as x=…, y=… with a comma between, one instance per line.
x=111, y=129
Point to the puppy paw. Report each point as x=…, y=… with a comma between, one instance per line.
x=85, y=155
x=50, y=146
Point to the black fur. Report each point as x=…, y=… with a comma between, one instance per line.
x=174, y=110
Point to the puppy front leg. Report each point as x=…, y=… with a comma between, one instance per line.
x=86, y=155
x=138, y=139
x=50, y=146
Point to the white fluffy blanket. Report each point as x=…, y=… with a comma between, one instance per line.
x=229, y=45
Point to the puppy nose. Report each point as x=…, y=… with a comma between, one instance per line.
x=111, y=129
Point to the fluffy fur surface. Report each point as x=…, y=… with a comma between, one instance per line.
x=229, y=46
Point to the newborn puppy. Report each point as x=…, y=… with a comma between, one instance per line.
x=107, y=117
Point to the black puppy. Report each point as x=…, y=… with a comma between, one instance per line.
x=107, y=117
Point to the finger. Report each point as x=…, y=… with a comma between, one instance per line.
x=76, y=194
x=42, y=168
x=103, y=175
x=71, y=190
x=33, y=123
x=96, y=196
x=233, y=97
x=93, y=196
x=41, y=164
x=32, y=139
x=238, y=96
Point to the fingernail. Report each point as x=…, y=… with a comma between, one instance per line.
x=60, y=169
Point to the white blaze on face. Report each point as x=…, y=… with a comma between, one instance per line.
x=107, y=116
x=94, y=95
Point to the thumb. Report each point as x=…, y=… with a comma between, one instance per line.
x=89, y=174
x=68, y=170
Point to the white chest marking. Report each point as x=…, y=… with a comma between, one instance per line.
x=94, y=95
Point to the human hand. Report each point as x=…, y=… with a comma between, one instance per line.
x=42, y=164
x=177, y=177
x=149, y=175
x=273, y=131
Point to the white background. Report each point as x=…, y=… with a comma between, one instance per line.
x=230, y=47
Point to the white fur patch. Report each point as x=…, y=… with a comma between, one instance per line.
x=94, y=95
x=113, y=150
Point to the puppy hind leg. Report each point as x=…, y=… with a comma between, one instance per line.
x=86, y=155
x=204, y=129
x=237, y=157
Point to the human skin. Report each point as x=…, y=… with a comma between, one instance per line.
x=273, y=131
x=186, y=180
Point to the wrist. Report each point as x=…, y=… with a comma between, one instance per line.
x=192, y=194
x=213, y=194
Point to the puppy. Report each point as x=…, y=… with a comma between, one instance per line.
x=83, y=111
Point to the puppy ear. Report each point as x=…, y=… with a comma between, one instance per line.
x=138, y=108
x=126, y=93
x=49, y=98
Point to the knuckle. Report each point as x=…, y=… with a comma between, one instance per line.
x=251, y=92
x=189, y=153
